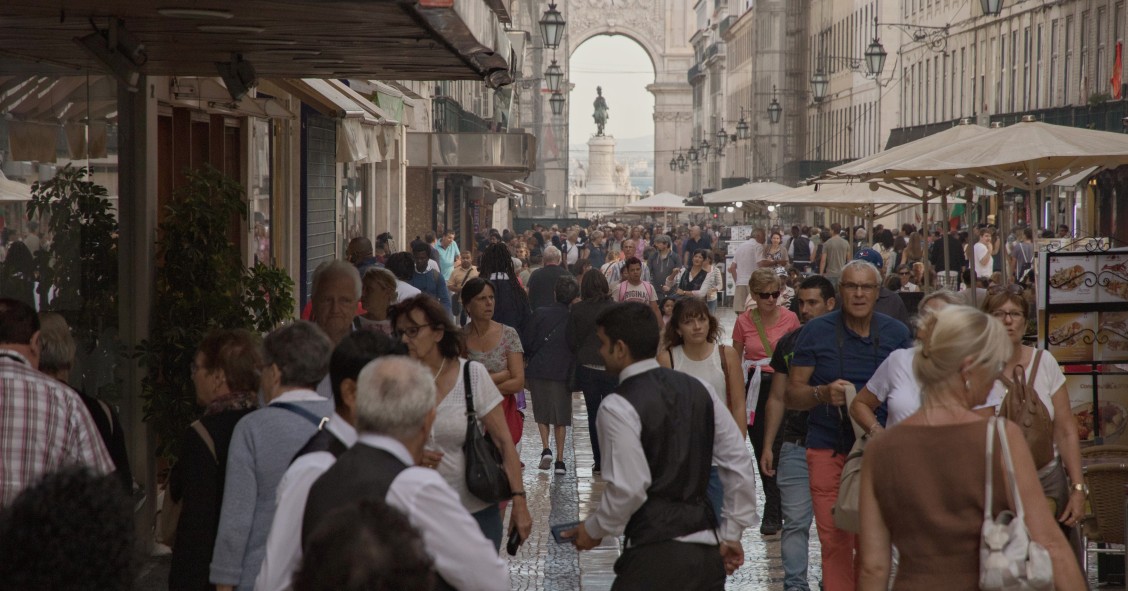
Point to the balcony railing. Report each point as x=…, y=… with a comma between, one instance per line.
x=450, y=117
x=697, y=71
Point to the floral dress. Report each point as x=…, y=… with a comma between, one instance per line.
x=496, y=360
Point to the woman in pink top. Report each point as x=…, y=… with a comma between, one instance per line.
x=754, y=337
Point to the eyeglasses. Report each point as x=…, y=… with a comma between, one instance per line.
x=766, y=295
x=1015, y=288
x=857, y=286
x=411, y=331
x=1005, y=315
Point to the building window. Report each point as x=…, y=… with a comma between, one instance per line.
x=1051, y=86
x=963, y=78
x=1066, y=78
x=1100, y=83
x=1082, y=35
x=1026, y=68
x=1013, y=70
x=1038, y=70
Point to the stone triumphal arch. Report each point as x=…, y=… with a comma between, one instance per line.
x=663, y=29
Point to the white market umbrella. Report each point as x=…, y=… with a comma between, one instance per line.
x=863, y=199
x=13, y=190
x=1028, y=155
x=758, y=191
x=882, y=161
x=662, y=202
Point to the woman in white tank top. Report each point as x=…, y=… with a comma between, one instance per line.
x=690, y=344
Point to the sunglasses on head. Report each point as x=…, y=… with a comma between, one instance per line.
x=1014, y=288
x=768, y=295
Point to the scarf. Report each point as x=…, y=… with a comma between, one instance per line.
x=232, y=401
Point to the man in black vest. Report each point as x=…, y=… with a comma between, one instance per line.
x=395, y=407
x=283, y=547
x=659, y=433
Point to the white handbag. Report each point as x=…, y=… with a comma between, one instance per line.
x=1008, y=559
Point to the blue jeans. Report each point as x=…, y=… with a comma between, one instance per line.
x=489, y=519
x=797, y=511
x=596, y=385
x=712, y=305
x=715, y=492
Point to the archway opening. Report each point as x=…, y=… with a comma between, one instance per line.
x=622, y=69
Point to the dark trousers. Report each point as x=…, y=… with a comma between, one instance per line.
x=756, y=434
x=670, y=565
x=596, y=384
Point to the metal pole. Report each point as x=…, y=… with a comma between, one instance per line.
x=944, y=233
x=971, y=250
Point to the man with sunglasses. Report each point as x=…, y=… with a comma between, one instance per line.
x=835, y=351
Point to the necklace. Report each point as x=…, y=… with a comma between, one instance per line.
x=440, y=372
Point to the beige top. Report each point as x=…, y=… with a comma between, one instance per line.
x=929, y=483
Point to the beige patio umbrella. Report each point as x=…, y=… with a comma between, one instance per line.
x=758, y=191
x=662, y=202
x=13, y=190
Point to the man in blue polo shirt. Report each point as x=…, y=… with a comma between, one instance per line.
x=834, y=351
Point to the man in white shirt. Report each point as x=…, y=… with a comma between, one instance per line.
x=395, y=407
x=660, y=432
x=745, y=260
x=283, y=545
x=982, y=251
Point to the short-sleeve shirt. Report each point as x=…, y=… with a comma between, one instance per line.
x=837, y=252
x=1048, y=380
x=448, y=433
x=744, y=331
x=497, y=358
x=828, y=427
x=894, y=383
x=747, y=257
x=794, y=427
x=643, y=292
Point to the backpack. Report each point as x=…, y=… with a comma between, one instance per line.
x=1022, y=406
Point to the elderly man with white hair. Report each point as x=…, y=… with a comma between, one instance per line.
x=834, y=353
x=542, y=283
x=395, y=408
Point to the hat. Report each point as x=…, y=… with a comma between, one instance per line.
x=871, y=256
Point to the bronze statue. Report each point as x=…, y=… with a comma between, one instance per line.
x=601, y=109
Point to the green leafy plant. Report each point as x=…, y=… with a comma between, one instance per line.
x=202, y=284
x=80, y=268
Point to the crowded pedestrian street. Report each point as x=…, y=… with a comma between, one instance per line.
x=600, y=295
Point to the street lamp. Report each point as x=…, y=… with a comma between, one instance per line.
x=554, y=75
x=875, y=54
x=673, y=164
x=722, y=139
x=557, y=103
x=552, y=27
x=743, y=131
x=991, y=7
x=819, y=83
x=774, y=109
x=693, y=155
x=683, y=165
x=704, y=147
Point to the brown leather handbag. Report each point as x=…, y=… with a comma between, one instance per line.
x=1024, y=408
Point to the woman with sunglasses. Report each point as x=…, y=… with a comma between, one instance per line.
x=754, y=338
x=1009, y=305
x=431, y=338
x=905, y=274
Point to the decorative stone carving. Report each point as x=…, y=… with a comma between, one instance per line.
x=644, y=16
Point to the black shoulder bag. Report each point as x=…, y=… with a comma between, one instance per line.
x=485, y=472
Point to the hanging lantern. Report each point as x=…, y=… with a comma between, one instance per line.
x=743, y=132
x=552, y=27
x=553, y=76
x=819, y=82
x=991, y=7
x=557, y=103
x=722, y=139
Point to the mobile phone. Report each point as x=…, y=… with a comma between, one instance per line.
x=514, y=542
x=561, y=528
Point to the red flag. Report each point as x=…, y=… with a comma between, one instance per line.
x=1116, y=67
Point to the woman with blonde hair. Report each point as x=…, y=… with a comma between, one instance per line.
x=924, y=482
x=894, y=383
x=378, y=293
x=754, y=337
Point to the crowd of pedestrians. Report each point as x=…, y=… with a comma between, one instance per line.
x=341, y=451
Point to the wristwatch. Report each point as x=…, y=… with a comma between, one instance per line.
x=1081, y=487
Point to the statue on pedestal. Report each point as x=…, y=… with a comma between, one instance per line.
x=601, y=109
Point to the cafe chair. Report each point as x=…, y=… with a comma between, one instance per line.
x=1104, y=522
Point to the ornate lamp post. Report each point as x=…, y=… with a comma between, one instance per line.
x=775, y=110
x=553, y=76
x=991, y=7
x=557, y=103
x=743, y=131
x=819, y=82
x=875, y=54
x=552, y=27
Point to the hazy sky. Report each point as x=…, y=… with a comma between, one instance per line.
x=622, y=68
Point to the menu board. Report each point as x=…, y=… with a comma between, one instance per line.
x=1112, y=336
x=1072, y=336
x=1112, y=277
x=1080, y=388
x=1112, y=407
x=1072, y=279
x=740, y=232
